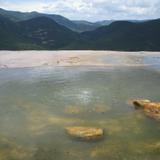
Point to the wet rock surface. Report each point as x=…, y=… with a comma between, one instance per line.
x=151, y=109
x=141, y=103
x=85, y=133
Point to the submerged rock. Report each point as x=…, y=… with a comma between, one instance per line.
x=85, y=133
x=101, y=109
x=79, y=110
x=73, y=110
x=151, y=109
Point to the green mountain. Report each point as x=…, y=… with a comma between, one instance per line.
x=36, y=33
x=42, y=32
x=47, y=33
x=86, y=26
x=11, y=39
x=77, y=26
x=72, y=25
x=122, y=35
x=90, y=26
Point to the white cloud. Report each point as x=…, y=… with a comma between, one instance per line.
x=25, y=6
x=90, y=9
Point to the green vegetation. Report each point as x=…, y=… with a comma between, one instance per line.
x=77, y=26
x=123, y=35
x=30, y=31
x=37, y=33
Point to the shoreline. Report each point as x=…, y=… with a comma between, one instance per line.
x=23, y=59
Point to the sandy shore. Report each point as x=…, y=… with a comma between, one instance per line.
x=21, y=59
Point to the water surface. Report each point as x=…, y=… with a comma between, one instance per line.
x=36, y=104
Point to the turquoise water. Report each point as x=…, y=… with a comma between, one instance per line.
x=36, y=104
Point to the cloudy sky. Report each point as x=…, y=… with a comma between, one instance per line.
x=92, y=10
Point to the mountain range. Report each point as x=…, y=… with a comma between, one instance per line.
x=33, y=30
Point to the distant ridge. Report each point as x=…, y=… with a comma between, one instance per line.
x=36, y=33
x=21, y=16
x=74, y=25
x=19, y=31
x=45, y=32
x=122, y=35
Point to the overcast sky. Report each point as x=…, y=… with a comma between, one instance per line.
x=91, y=10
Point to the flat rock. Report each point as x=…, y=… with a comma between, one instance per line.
x=85, y=133
x=151, y=109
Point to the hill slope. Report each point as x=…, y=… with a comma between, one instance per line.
x=47, y=33
x=11, y=39
x=44, y=33
x=72, y=25
x=122, y=35
x=36, y=33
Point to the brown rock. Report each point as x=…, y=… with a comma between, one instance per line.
x=151, y=109
x=141, y=103
x=85, y=133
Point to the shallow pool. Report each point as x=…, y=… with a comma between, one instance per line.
x=36, y=104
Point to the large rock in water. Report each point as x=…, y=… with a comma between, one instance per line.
x=85, y=133
x=151, y=109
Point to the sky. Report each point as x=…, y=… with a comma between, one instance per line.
x=91, y=10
